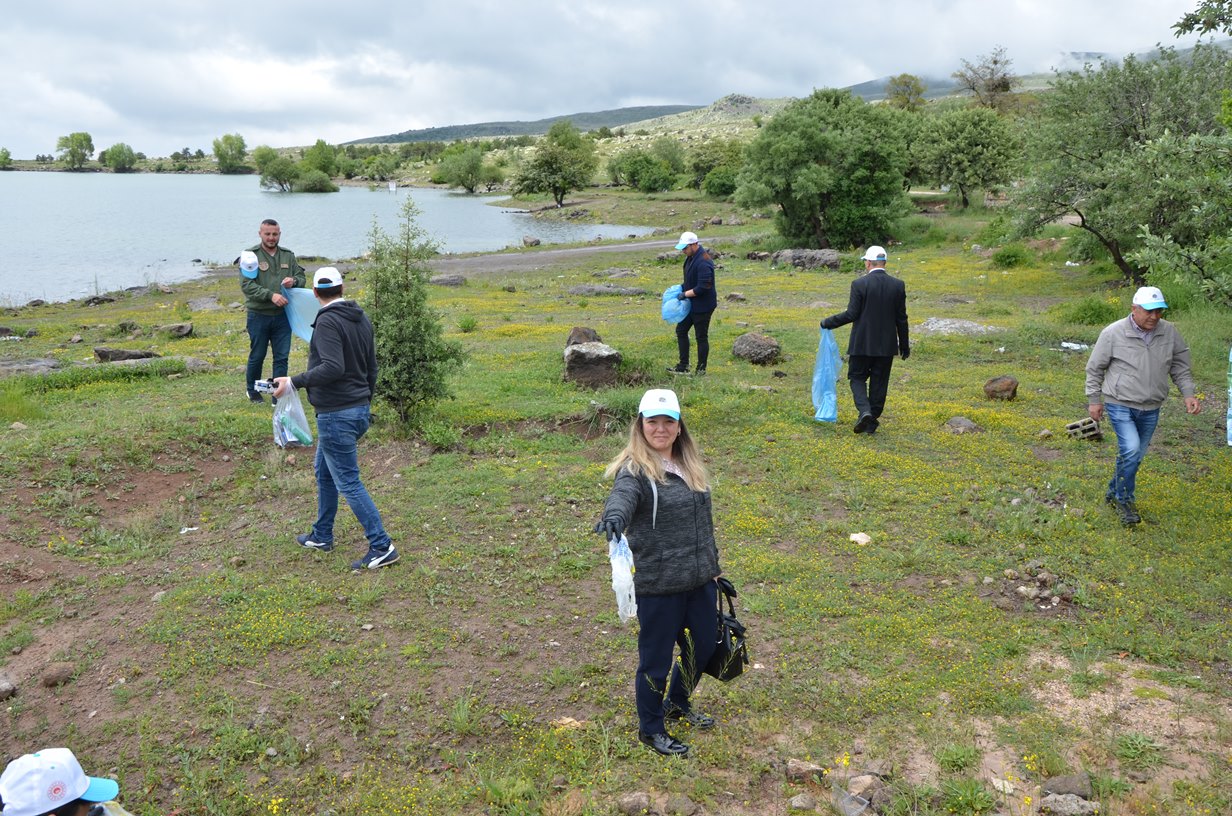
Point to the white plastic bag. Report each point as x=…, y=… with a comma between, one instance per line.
x=622, y=578
x=291, y=428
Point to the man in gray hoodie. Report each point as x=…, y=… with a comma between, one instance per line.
x=1128, y=380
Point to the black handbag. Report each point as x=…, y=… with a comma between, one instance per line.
x=731, y=653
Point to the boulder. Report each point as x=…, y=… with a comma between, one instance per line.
x=7, y=687
x=1004, y=387
x=1068, y=805
x=592, y=364
x=592, y=289
x=177, y=329
x=530, y=241
x=949, y=325
x=807, y=258
x=1078, y=784
x=736, y=297
x=110, y=355
x=798, y=770
x=962, y=425
x=36, y=302
x=802, y=801
x=5, y=331
x=758, y=349
x=98, y=300
x=204, y=304
x=36, y=366
x=451, y=279
x=582, y=334
x=633, y=804
x=57, y=674
x=31, y=333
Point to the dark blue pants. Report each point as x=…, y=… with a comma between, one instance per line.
x=689, y=620
x=267, y=330
x=700, y=324
x=870, y=380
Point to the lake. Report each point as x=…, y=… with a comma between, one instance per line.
x=71, y=235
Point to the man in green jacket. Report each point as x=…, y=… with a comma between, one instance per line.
x=1128, y=379
x=262, y=277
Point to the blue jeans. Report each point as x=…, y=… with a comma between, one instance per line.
x=1133, y=428
x=663, y=620
x=337, y=469
x=267, y=330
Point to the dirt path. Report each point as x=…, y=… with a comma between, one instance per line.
x=527, y=261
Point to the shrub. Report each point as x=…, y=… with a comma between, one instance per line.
x=1090, y=311
x=1011, y=255
x=721, y=182
x=414, y=358
x=315, y=181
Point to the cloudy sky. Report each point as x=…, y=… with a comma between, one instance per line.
x=163, y=76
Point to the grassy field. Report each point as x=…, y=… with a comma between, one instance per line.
x=146, y=539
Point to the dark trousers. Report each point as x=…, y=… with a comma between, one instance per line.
x=272, y=331
x=700, y=323
x=870, y=379
x=689, y=620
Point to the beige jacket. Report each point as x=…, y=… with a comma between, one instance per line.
x=1125, y=371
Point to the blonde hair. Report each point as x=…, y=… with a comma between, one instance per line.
x=642, y=460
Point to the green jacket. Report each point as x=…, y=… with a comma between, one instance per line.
x=271, y=269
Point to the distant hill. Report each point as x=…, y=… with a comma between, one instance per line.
x=592, y=120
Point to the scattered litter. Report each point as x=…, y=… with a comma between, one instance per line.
x=860, y=538
x=758, y=666
x=184, y=530
x=568, y=723
x=1072, y=263
x=1065, y=344
x=1000, y=349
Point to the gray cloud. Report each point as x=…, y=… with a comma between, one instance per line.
x=288, y=74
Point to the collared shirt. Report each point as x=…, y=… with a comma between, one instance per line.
x=671, y=467
x=1143, y=333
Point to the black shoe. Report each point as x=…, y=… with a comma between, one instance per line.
x=678, y=369
x=664, y=744
x=867, y=424
x=698, y=720
x=1128, y=513
x=700, y=371
x=254, y=396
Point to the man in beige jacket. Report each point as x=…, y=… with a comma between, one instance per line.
x=1128, y=380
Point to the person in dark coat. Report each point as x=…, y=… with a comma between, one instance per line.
x=661, y=502
x=698, y=288
x=877, y=310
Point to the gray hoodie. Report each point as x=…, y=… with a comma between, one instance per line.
x=670, y=532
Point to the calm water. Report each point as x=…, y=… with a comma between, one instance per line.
x=69, y=235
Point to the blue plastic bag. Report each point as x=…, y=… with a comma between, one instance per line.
x=674, y=309
x=301, y=308
x=825, y=378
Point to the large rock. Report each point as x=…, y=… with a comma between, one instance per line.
x=7, y=687
x=950, y=325
x=633, y=804
x=1068, y=805
x=799, y=770
x=1078, y=784
x=177, y=329
x=451, y=279
x=530, y=241
x=758, y=349
x=1004, y=387
x=204, y=304
x=37, y=366
x=962, y=425
x=57, y=674
x=111, y=355
x=590, y=289
x=592, y=364
x=807, y=258
x=582, y=334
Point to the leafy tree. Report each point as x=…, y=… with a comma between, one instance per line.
x=320, y=156
x=905, y=91
x=565, y=160
x=230, y=151
x=380, y=167
x=6, y=159
x=967, y=148
x=712, y=154
x=721, y=182
x=413, y=356
x=989, y=79
x=1089, y=149
x=462, y=169
x=199, y=155
x=491, y=177
x=668, y=150
x=640, y=168
x=75, y=149
x=280, y=174
x=262, y=157
x=834, y=167
x=312, y=180
x=1210, y=15
x=119, y=157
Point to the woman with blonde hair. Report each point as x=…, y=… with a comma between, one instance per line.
x=661, y=502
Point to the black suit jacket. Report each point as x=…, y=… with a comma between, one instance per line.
x=877, y=309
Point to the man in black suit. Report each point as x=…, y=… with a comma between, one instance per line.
x=877, y=309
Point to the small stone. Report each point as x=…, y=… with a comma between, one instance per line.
x=226, y=457
x=560, y=782
x=862, y=785
x=237, y=561
x=509, y=287
x=1004, y=387
x=271, y=752
x=19, y=426
x=367, y=627
x=7, y=687
x=802, y=801
x=1068, y=805
x=680, y=805
x=962, y=425
x=1044, y=434
x=57, y=674
x=799, y=770
x=988, y=580
x=16, y=650
x=290, y=460
x=633, y=804
x=76, y=338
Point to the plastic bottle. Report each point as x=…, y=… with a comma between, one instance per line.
x=293, y=429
